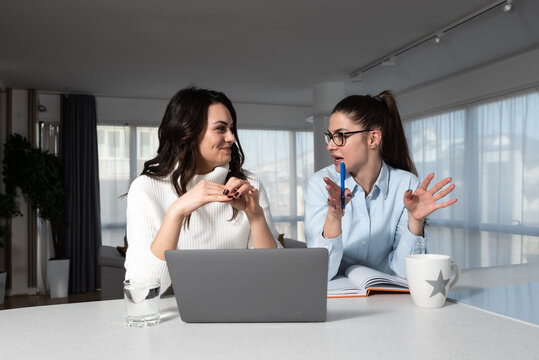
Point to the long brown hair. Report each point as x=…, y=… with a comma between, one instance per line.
x=380, y=112
x=184, y=120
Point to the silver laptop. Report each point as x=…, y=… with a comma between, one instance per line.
x=262, y=285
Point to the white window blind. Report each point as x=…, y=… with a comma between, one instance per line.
x=491, y=150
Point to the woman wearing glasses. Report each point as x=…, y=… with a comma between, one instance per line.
x=194, y=194
x=385, y=204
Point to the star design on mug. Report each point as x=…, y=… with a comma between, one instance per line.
x=438, y=286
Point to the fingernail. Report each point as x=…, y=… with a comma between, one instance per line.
x=409, y=190
x=334, y=208
x=230, y=197
x=349, y=195
x=236, y=193
x=226, y=192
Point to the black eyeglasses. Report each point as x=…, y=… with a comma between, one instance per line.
x=339, y=137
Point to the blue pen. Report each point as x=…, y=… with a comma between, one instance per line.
x=343, y=176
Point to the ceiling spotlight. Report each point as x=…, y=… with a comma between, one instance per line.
x=508, y=6
x=389, y=62
x=438, y=39
x=357, y=77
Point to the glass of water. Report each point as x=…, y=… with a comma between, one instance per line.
x=141, y=299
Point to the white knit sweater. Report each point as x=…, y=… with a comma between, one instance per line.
x=209, y=228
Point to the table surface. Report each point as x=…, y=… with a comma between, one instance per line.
x=510, y=290
x=382, y=326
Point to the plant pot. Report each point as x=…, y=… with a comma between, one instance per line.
x=58, y=276
x=3, y=277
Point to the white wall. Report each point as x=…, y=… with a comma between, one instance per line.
x=150, y=112
x=273, y=116
x=514, y=73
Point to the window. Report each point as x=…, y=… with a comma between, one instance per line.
x=147, y=144
x=490, y=150
x=114, y=179
x=283, y=160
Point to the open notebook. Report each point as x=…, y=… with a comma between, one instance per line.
x=361, y=280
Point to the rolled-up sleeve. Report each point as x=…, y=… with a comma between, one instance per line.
x=405, y=243
x=316, y=209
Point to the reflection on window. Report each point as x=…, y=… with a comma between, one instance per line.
x=490, y=150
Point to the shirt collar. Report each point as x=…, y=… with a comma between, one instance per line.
x=350, y=183
x=382, y=182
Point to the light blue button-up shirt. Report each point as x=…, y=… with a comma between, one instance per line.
x=374, y=228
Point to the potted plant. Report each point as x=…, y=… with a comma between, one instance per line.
x=8, y=209
x=38, y=175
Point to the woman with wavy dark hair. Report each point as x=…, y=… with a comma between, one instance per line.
x=194, y=194
x=385, y=205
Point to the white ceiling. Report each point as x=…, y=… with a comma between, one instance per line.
x=270, y=52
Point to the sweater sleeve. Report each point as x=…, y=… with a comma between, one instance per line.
x=144, y=217
x=263, y=200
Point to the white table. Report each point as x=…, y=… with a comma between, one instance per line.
x=380, y=326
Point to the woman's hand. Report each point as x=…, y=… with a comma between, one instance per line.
x=332, y=224
x=169, y=232
x=334, y=198
x=199, y=195
x=422, y=202
x=243, y=196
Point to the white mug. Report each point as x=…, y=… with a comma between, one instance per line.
x=429, y=278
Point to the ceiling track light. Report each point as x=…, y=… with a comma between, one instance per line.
x=356, y=77
x=389, y=62
x=508, y=6
x=357, y=74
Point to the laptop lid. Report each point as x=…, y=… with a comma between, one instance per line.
x=255, y=285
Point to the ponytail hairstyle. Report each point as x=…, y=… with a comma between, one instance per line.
x=380, y=112
x=184, y=120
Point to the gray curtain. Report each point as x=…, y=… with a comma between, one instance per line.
x=82, y=233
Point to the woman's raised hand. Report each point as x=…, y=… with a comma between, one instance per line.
x=243, y=196
x=422, y=202
x=199, y=195
x=334, y=197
